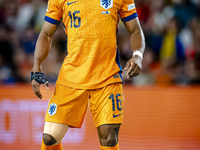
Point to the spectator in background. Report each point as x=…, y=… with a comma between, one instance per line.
x=185, y=10
x=8, y=12
x=193, y=60
x=6, y=61
x=171, y=54
x=9, y=72
x=30, y=14
x=143, y=10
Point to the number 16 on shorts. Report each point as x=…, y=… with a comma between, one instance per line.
x=116, y=104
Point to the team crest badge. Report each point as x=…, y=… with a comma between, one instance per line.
x=106, y=4
x=52, y=109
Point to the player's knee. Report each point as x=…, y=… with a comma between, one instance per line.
x=108, y=134
x=48, y=139
x=110, y=139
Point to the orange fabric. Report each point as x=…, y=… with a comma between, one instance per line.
x=106, y=105
x=91, y=25
x=53, y=147
x=71, y=105
x=116, y=147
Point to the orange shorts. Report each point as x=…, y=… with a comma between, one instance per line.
x=68, y=106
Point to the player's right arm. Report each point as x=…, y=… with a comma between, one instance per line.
x=41, y=52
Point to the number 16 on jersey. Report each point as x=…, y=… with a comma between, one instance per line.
x=75, y=19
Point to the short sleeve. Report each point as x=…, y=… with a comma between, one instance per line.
x=128, y=10
x=54, y=12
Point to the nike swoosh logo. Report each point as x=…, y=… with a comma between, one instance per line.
x=71, y=2
x=116, y=115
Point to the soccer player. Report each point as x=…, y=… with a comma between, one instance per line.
x=91, y=71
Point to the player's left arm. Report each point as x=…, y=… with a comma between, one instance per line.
x=137, y=42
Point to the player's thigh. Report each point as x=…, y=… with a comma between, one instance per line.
x=67, y=106
x=56, y=130
x=107, y=105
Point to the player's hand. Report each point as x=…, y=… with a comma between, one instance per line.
x=36, y=88
x=134, y=66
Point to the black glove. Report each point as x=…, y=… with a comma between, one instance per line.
x=39, y=77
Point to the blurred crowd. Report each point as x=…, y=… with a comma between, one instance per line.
x=171, y=29
x=172, y=33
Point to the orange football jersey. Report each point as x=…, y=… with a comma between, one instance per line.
x=91, y=27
